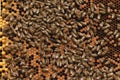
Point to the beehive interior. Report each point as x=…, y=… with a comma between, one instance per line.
x=62, y=39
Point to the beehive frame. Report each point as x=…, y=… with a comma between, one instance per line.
x=103, y=60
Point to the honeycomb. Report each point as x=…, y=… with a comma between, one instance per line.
x=114, y=50
x=78, y=40
x=3, y=44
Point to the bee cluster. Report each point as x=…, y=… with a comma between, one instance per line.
x=62, y=39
